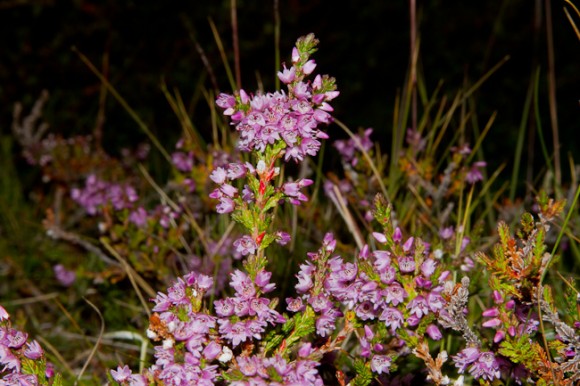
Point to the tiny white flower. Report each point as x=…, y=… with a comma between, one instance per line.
x=438, y=254
x=167, y=344
x=261, y=167
x=152, y=334
x=226, y=355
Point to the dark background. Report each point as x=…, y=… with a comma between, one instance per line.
x=365, y=46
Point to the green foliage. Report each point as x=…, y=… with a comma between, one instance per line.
x=364, y=375
x=521, y=350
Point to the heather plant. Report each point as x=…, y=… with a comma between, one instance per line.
x=23, y=361
x=364, y=316
x=415, y=293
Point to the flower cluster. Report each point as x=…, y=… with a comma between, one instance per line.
x=246, y=315
x=399, y=288
x=312, y=287
x=509, y=317
x=195, y=345
x=292, y=118
x=97, y=193
x=350, y=149
x=259, y=371
x=184, y=332
x=22, y=362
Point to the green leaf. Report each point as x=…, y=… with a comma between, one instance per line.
x=233, y=375
x=364, y=375
x=504, y=233
x=520, y=351
x=382, y=211
x=539, y=246
x=304, y=326
x=528, y=223
x=272, y=201
x=244, y=217
x=272, y=341
x=267, y=240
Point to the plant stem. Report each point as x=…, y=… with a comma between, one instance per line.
x=552, y=99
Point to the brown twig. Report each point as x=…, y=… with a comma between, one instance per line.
x=413, y=42
x=56, y=232
x=236, y=44
x=552, y=97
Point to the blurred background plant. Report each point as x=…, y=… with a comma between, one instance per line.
x=104, y=191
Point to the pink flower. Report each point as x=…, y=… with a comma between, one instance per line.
x=287, y=75
x=226, y=101
x=380, y=364
x=499, y=336
x=294, y=304
x=246, y=245
x=381, y=238
x=305, y=350
x=308, y=67
x=408, y=244
x=243, y=285
x=236, y=170
x=407, y=264
x=33, y=350
x=418, y=306
x=282, y=238
x=497, y=297
x=434, y=332
x=397, y=235
x=428, y=268
x=65, y=277
x=9, y=360
x=218, y=175
x=491, y=323
x=228, y=190
x=446, y=233
x=212, y=350
x=395, y=294
x=226, y=205
x=392, y=317
x=491, y=312
x=465, y=357
x=474, y=173
x=182, y=161
x=122, y=374
x=486, y=367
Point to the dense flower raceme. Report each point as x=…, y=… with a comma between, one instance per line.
x=398, y=289
x=22, y=361
x=97, y=193
x=273, y=126
x=293, y=117
x=195, y=346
